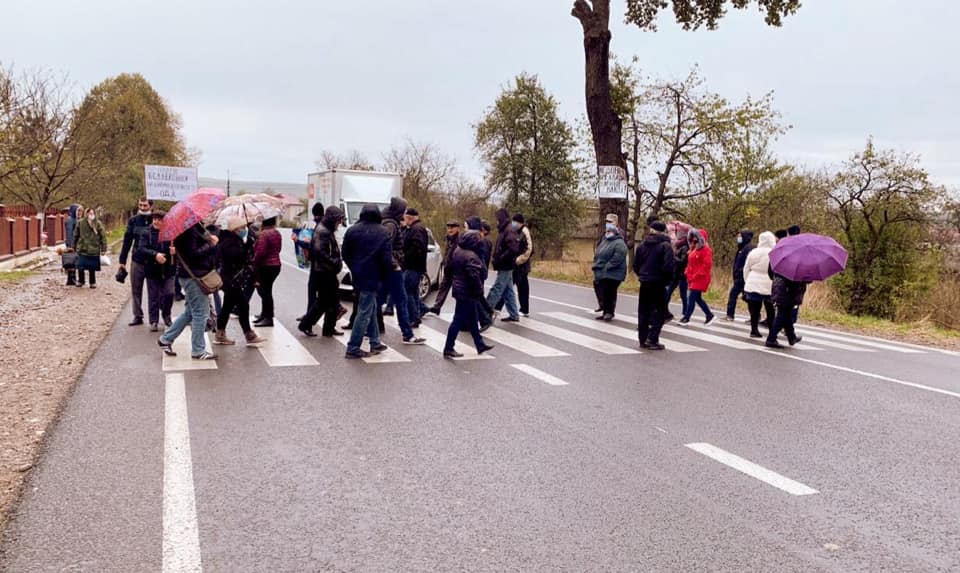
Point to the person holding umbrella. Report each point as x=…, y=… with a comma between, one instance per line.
x=196, y=253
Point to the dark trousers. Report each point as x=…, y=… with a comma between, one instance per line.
x=607, y=289
x=71, y=277
x=783, y=320
x=93, y=276
x=694, y=299
x=138, y=275
x=598, y=292
x=681, y=285
x=326, y=303
x=484, y=312
x=234, y=300
x=177, y=288
x=735, y=291
x=651, y=309
x=755, y=307
x=520, y=278
x=445, y=285
x=464, y=318
x=159, y=299
x=415, y=306
x=266, y=277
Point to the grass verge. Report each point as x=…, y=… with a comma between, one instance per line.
x=13, y=277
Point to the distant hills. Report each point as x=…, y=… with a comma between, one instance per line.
x=294, y=189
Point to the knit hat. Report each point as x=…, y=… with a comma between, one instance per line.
x=793, y=230
x=519, y=218
x=613, y=218
x=413, y=212
x=317, y=209
x=780, y=233
x=659, y=226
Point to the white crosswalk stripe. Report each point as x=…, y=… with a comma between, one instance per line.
x=572, y=337
x=806, y=339
x=282, y=348
x=437, y=340
x=741, y=333
x=183, y=360
x=516, y=342
x=388, y=356
x=629, y=334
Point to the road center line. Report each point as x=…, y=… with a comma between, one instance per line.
x=181, y=537
x=751, y=469
x=539, y=374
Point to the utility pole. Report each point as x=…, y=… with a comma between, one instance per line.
x=228, y=182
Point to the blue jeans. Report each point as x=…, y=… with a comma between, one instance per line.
x=681, y=284
x=195, y=313
x=392, y=289
x=503, y=289
x=366, y=321
x=696, y=299
x=415, y=306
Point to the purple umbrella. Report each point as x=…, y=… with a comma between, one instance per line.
x=808, y=257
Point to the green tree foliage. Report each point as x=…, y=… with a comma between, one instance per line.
x=693, y=14
x=529, y=153
x=884, y=206
x=130, y=125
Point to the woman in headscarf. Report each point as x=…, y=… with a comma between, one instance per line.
x=90, y=241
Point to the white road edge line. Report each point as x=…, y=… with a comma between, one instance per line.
x=539, y=374
x=181, y=537
x=751, y=469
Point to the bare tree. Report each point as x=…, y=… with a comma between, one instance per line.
x=425, y=169
x=353, y=159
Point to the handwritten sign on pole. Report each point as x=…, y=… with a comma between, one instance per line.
x=611, y=182
x=169, y=183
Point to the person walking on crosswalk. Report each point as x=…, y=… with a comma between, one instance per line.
x=236, y=271
x=504, y=261
x=609, y=268
x=416, y=242
x=699, y=274
x=521, y=272
x=196, y=252
x=366, y=250
x=758, y=285
x=653, y=264
x=391, y=288
x=325, y=265
x=453, y=239
x=466, y=268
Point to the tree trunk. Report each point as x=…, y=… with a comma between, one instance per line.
x=605, y=124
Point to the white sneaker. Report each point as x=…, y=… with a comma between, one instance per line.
x=710, y=321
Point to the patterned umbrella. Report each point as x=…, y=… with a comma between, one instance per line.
x=189, y=212
x=808, y=257
x=251, y=207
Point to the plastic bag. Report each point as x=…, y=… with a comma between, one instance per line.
x=104, y=260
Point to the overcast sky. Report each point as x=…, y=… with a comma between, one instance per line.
x=264, y=86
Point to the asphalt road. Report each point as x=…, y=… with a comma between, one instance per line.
x=569, y=450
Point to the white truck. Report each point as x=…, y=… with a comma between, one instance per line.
x=350, y=190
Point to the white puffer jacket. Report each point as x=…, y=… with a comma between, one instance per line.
x=756, y=279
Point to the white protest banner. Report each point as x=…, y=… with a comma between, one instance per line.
x=611, y=182
x=169, y=183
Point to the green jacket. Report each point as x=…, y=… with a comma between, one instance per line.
x=89, y=240
x=610, y=260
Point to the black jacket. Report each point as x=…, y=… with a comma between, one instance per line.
x=325, y=251
x=415, y=243
x=680, y=255
x=653, y=260
x=452, y=242
x=148, y=247
x=138, y=227
x=742, y=252
x=392, y=218
x=195, y=250
x=508, y=244
x=466, y=268
x=785, y=292
x=236, y=269
x=366, y=250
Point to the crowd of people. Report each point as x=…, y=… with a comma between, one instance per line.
x=386, y=252
x=685, y=264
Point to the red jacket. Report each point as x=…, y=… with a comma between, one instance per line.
x=266, y=251
x=700, y=265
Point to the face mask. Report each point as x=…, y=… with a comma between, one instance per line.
x=515, y=225
x=611, y=227
x=91, y=217
x=610, y=234
x=242, y=234
x=739, y=240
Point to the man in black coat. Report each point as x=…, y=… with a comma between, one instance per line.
x=137, y=226
x=366, y=250
x=504, y=261
x=325, y=265
x=415, y=244
x=158, y=273
x=787, y=296
x=453, y=239
x=653, y=264
x=466, y=272
x=744, y=246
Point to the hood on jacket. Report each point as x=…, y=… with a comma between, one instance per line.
x=471, y=241
x=473, y=223
x=73, y=210
x=747, y=237
x=395, y=209
x=331, y=216
x=503, y=218
x=767, y=240
x=654, y=238
x=370, y=214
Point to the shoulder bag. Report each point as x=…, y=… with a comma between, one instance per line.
x=209, y=283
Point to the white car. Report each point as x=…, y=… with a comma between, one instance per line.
x=428, y=282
